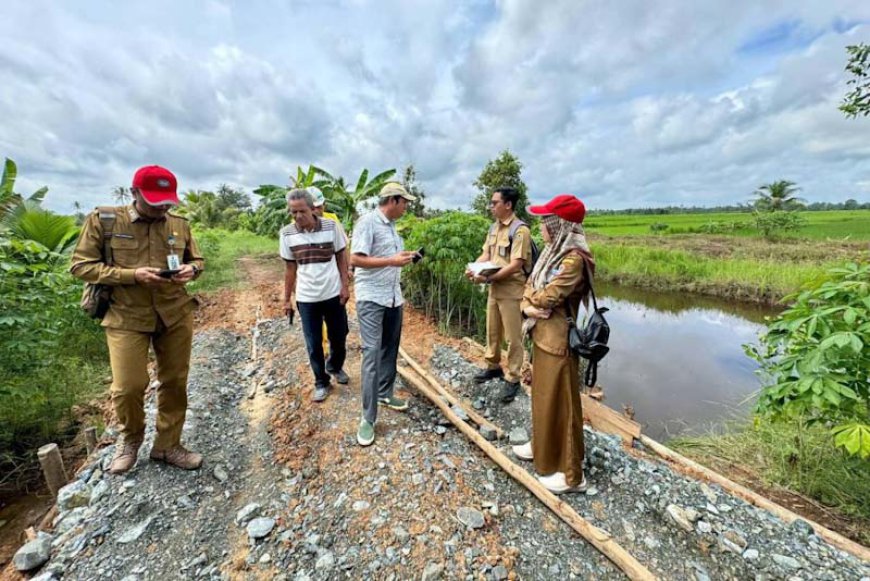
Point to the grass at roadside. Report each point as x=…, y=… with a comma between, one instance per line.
x=795, y=456
x=221, y=249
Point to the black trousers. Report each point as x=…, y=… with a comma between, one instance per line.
x=313, y=315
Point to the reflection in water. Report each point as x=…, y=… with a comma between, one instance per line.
x=678, y=359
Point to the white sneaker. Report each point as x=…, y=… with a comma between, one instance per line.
x=523, y=451
x=557, y=484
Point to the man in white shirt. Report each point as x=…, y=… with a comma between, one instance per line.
x=315, y=260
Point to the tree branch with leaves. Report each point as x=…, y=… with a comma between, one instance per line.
x=857, y=101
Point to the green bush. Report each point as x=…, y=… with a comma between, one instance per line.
x=772, y=224
x=816, y=359
x=716, y=227
x=437, y=284
x=657, y=227
x=52, y=356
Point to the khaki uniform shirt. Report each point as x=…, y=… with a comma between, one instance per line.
x=502, y=252
x=565, y=280
x=135, y=243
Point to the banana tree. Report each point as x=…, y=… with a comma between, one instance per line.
x=313, y=176
x=271, y=212
x=9, y=200
x=346, y=203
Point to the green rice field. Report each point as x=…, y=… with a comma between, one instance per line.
x=826, y=225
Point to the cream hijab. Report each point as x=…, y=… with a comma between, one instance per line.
x=565, y=237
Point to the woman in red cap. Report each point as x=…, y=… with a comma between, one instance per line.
x=556, y=287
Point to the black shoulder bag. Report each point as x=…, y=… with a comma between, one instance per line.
x=590, y=342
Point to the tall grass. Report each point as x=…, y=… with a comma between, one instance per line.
x=681, y=270
x=794, y=455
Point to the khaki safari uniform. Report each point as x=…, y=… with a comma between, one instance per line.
x=141, y=316
x=504, y=320
x=557, y=419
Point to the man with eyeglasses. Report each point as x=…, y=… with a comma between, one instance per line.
x=508, y=245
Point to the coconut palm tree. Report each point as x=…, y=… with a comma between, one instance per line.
x=779, y=195
x=122, y=195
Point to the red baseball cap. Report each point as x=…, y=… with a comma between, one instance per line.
x=157, y=185
x=565, y=206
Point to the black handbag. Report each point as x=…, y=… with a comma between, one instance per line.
x=590, y=341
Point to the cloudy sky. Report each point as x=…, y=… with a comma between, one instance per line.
x=626, y=104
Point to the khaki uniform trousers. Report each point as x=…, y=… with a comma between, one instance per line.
x=557, y=418
x=504, y=321
x=128, y=352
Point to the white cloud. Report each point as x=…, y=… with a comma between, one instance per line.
x=630, y=103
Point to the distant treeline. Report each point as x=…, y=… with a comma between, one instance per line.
x=813, y=207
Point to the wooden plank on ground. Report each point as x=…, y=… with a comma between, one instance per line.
x=450, y=396
x=605, y=419
x=597, y=537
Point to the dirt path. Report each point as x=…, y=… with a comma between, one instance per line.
x=422, y=501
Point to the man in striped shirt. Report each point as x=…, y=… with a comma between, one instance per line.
x=315, y=260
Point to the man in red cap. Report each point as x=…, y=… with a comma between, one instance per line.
x=145, y=255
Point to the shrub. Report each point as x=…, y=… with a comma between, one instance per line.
x=717, y=227
x=437, y=284
x=51, y=354
x=816, y=358
x=658, y=227
x=772, y=224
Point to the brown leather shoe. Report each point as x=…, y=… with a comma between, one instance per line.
x=178, y=456
x=125, y=456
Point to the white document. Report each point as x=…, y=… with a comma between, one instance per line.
x=483, y=268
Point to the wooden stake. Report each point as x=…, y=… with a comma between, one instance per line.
x=90, y=440
x=695, y=470
x=453, y=399
x=598, y=538
x=52, y=467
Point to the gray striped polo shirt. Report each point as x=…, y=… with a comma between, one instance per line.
x=375, y=235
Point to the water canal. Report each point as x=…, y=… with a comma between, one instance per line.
x=678, y=360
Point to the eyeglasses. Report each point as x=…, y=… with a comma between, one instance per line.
x=495, y=202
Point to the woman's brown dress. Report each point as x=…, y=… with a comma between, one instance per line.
x=557, y=419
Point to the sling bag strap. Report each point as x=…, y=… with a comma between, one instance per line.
x=591, y=375
x=107, y=220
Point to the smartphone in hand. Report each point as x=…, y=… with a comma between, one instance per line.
x=419, y=256
x=168, y=273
